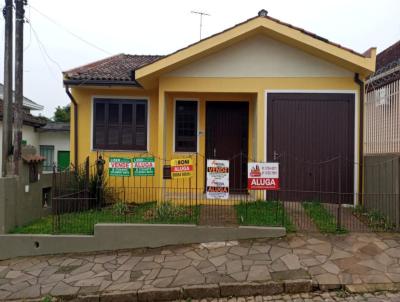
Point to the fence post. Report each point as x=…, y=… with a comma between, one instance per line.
x=339, y=208
x=99, y=180
x=397, y=196
x=197, y=171
x=54, y=204
x=86, y=181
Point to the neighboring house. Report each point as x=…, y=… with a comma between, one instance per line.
x=30, y=123
x=261, y=89
x=382, y=104
x=54, y=145
x=50, y=139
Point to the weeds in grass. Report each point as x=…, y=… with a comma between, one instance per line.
x=374, y=219
x=324, y=220
x=120, y=208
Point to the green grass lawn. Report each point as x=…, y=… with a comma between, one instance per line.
x=83, y=222
x=324, y=220
x=264, y=213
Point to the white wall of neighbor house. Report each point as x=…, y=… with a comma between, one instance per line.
x=29, y=134
x=60, y=141
x=260, y=56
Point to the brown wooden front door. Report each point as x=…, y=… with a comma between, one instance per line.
x=311, y=135
x=227, y=125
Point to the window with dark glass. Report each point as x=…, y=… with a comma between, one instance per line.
x=186, y=126
x=120, y=124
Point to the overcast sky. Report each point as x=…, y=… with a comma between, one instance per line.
x=161, y=27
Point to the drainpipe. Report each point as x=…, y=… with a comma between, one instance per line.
x=360, y=83
x=71, y=97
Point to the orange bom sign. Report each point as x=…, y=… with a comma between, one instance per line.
x=181, y=168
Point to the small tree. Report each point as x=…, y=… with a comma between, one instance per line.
x=62, y=114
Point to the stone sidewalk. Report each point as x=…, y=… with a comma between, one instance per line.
x=217, y=269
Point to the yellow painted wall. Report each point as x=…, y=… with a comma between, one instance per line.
x=135, y=185
x=161, y=121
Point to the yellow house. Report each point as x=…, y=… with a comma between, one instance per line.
x=262, y=90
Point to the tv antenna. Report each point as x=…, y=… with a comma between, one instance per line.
x=201, y=18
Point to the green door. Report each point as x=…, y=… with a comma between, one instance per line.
x=63, y=160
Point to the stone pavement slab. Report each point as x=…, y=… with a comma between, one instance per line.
x=329, y=261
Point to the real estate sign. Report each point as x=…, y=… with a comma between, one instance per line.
x=143, y=166
x=119, y=166
x=263, y=176
x=217, y=179
x=181, y=168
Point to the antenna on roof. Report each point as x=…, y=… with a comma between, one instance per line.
x=201, y=18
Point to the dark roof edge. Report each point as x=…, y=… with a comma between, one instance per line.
x=101, y=83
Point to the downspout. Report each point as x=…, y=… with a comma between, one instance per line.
x=360, y=83
x=71, y=97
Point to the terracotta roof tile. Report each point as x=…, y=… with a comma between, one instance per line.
x=32, y=158
x=116, y=68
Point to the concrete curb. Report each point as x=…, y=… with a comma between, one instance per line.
x=368, y=288
x=268, y=288
x=222, y=290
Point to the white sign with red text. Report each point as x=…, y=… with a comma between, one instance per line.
x=263, y=176
x=217, y=179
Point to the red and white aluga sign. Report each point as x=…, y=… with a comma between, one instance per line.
x=263, y=176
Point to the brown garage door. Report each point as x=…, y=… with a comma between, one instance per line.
x=312, y=136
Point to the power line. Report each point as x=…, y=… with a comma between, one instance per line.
x=69, y=31
x=30, y=33
x=43, y=52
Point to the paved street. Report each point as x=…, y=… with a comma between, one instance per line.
x=330, y=261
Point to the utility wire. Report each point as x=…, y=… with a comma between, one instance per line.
x=30, y=33
x=43, y=51
x=41, y=45
x=46, y=57
x=69, y=31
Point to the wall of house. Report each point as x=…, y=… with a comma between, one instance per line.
x=260, y=56
x=161, y=123
x=84, y=97
x=258, y=87
x=243, y=71
x=59, y=139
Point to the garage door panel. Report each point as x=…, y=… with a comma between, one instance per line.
x=313, y=135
